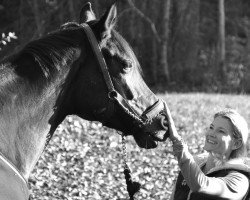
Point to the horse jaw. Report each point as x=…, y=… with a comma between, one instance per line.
x=145, y=141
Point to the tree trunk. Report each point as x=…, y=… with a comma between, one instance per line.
x=221, y=39
x=21, y=20
x=96, y=9
x=195, y=73
x=38, y=17
x=154, y=8
x=71, y=10
x=185, y=37
x=163, y=71
x=61, y=13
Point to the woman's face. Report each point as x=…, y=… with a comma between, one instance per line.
x=219, y=137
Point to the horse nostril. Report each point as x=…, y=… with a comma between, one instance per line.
x=130, y=95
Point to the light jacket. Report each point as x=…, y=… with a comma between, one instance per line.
x=198, y=181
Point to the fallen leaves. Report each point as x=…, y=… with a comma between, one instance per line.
x=84, y=159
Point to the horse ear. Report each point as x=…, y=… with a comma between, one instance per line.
x=108, y=21
x=86, y=13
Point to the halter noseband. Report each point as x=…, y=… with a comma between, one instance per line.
x=113, y=95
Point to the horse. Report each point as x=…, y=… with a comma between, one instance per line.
x=85, y=68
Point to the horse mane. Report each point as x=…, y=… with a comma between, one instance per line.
x=42, y=58
x=50, y=53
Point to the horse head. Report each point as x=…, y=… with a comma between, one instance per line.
x=123, y=102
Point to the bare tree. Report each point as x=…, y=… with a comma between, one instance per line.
x=221, y=38
x=185, y=35
x=154, y=45
x=38, y=17
x=71, y=9
x=143, y=16
x=163, y=52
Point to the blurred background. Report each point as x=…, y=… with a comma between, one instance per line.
x=190, y=52
x=182, y=45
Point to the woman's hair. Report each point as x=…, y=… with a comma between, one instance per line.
x=240, y=130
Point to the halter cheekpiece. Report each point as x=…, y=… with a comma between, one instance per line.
x=113, y=95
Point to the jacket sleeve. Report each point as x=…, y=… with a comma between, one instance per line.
x=234, y=186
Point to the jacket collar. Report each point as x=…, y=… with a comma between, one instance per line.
x=241, y=164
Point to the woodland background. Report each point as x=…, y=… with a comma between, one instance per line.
x=182, y=45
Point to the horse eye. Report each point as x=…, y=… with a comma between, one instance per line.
x=127, y=66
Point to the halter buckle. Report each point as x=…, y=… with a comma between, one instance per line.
x=113, y=95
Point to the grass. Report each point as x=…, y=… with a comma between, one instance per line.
x=84, y=159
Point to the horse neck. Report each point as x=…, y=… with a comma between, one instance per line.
x=26, y=119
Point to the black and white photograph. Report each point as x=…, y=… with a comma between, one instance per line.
x=124, y=99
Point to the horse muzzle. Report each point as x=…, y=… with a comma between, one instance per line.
x=156, y=122
x=155, y=127
x=147, y=128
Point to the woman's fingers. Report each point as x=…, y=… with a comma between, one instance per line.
x=172, y=129
x=167, y=110
x=168, y=114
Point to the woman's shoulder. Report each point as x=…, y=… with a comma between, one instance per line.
x=237, y=164
x=240, y=164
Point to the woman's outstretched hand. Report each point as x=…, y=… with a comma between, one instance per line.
x=178, y=144
x=173, y=134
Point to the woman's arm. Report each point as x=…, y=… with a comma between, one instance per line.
x=233, y=186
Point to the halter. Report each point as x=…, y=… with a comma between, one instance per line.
x=113, y=95
x=141, y=121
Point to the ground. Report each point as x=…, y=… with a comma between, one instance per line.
x=84, y=159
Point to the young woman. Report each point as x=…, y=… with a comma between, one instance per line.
x=223, y=173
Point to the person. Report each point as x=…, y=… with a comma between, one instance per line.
x=221, y=173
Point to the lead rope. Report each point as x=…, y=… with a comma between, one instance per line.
x=132, y=186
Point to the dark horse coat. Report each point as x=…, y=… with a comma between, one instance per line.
x=59, y=75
